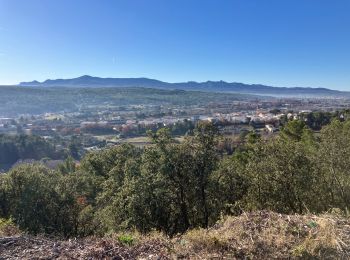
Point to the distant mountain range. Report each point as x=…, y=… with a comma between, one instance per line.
x=212, y=86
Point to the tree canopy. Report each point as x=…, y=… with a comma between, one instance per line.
x=172, y=187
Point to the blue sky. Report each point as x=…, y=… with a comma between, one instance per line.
x=275, y=42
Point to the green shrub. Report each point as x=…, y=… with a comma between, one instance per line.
x=8, y=227
x=126, y=239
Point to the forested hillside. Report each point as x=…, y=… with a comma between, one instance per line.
x=22, y=147
x=37, y=100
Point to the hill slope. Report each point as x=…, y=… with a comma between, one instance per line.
x=16, y=100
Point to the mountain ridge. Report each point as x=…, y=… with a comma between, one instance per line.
x=212, y=86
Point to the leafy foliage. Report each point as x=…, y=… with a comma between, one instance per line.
x=172, y=187
x=13, y=148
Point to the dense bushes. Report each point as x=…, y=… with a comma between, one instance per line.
x=13, y=148
x=172, y=187
x=43, y=201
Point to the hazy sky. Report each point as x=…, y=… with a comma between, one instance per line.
x=275, y=42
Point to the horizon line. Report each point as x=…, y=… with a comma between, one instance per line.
x=173, y=82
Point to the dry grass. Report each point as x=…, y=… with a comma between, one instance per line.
x=8, y=228
x=265, y=235
x=256, y=235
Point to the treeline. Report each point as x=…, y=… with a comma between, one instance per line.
x=173, y=187
x=14, y=148
x=316, y=120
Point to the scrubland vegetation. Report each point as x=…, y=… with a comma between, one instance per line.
x=256, y=235
x=201, y=203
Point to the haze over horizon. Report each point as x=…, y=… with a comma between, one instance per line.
x=283, y=43
x=87, y=78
